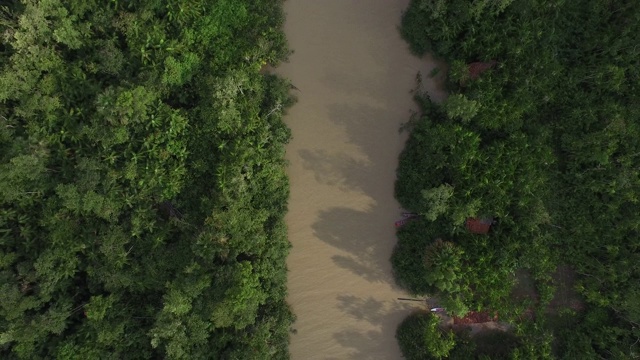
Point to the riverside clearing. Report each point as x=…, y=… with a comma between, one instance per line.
x=354, y=73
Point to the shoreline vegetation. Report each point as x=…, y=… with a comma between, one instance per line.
x=541, y=133
x=142, y=180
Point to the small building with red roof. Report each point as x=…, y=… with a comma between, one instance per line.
x=479, y=225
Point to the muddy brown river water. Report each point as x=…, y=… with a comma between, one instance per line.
x=354, y=73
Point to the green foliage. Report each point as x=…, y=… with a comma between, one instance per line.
x=459, y=107
x=454, y=303
x=420, y=337
x=409, y=269
x=142, y=182
x=443, y=261
x=437, y=199
x=547, y=142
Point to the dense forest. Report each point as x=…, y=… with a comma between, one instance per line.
x=142, y=182
x=541, y=135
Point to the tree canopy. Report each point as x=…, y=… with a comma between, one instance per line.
x=142, y=182
x=541, y=131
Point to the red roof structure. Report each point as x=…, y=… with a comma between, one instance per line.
x=474, y=317
x=477, y=68
x=479, y=226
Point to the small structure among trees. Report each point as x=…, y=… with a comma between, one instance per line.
x=479, y=225
x=475, y=317
x=478, y=67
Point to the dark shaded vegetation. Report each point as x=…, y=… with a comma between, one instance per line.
x=142, y=182
x=495, y=344
x=547, y=138
x=420, y=337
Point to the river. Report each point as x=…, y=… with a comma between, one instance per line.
x=354, y=74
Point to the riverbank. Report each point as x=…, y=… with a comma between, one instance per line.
x=354, y=74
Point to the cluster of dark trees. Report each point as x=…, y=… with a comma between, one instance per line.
x=542, y=131
x=142, y=183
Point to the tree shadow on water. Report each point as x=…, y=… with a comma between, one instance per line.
x=384, y=315
x=371, y=310
x=367, y=237
x=331, y=169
